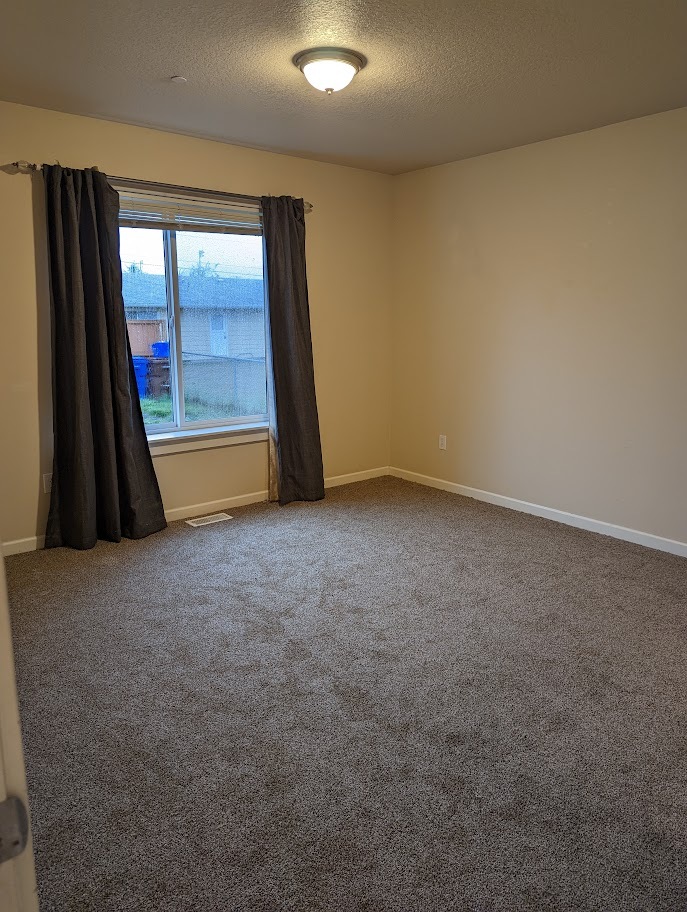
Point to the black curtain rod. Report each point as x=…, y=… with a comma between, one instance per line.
x=28, y=167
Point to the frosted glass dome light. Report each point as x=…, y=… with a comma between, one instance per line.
x=329, y=75
x=329, y=69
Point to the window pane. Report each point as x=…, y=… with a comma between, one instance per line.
x=222, y=325
x=145, y=304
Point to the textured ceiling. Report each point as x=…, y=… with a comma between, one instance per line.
x=445, y=80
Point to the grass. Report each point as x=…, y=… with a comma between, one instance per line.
x=156, y=411
x=159, y=411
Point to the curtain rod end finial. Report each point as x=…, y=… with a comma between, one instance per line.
x=19, y=167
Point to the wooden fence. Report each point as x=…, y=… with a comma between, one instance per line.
x=142, y=334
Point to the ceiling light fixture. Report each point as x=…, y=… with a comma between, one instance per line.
x=329, y=69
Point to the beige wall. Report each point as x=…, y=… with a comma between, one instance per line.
x=348, y=248
x=535, y=301
x=540, y=322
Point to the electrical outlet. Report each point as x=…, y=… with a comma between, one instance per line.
x=442, y=441
x=47, y=483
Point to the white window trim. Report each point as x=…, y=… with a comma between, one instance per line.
x=167, y=442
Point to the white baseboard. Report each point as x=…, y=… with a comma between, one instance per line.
x=569, y=519
x=35, y=543
x=337, y=480
x=242, y=500
x=214, y=506
x=20, y=545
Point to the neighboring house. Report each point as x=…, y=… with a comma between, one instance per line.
x=221, y=316
x=222, y=332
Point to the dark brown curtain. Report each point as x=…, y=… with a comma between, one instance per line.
x=103, y=483
x=295, y=450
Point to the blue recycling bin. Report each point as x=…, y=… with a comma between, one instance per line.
x=141, y=371
x=160, y=349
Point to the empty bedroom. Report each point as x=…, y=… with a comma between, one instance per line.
x=343, y=478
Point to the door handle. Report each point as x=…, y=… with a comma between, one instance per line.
x=14, y=828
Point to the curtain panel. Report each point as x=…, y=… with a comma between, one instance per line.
x=295, y=465
x=104, y=484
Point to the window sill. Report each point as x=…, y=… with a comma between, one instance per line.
x=169, y=442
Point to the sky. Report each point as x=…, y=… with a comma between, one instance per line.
x=230, y=254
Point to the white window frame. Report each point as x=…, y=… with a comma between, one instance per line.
x=167, y=212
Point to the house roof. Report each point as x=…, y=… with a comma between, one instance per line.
x=207, y=292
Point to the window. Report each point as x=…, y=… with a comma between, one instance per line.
x=192, y=273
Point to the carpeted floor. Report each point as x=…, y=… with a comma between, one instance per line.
x=397, y=700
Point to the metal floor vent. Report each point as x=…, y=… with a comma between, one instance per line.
x=207, y=520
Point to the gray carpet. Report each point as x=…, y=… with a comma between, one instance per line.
x=396, y=700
